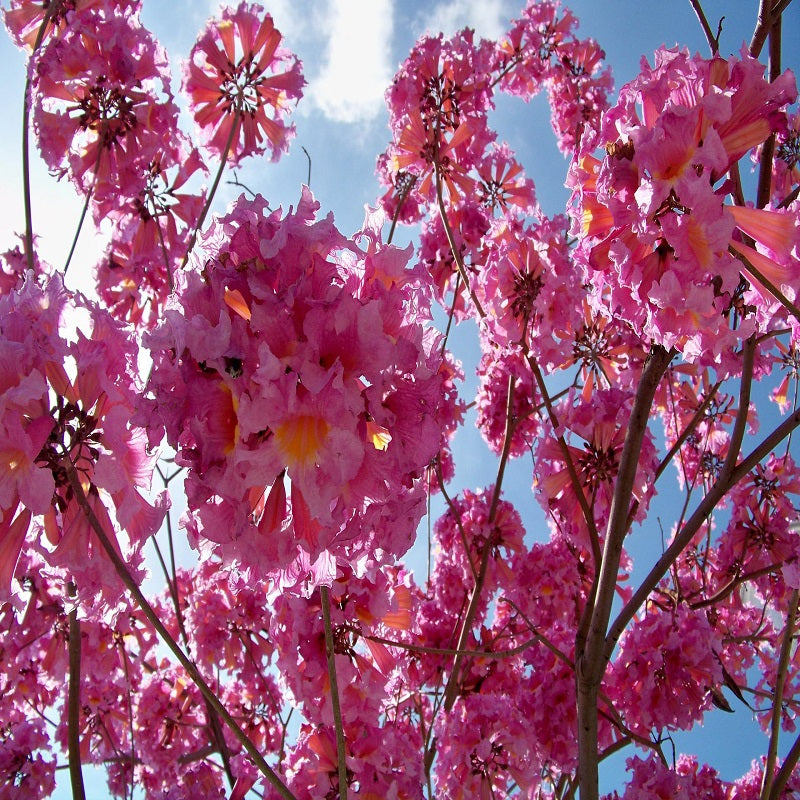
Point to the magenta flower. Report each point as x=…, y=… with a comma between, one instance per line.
x=302, y=395
x=101, y=101
x=25, y=17
x=656, y=236
x=52, y=424
x=241, y=84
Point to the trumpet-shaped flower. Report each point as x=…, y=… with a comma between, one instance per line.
x=242, y=84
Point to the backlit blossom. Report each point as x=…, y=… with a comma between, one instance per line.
x=73, y=401
x=242, y=84
x=24, y=18
x=302, y=397
x=101, y=101
x=655, y=231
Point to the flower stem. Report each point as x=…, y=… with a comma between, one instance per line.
x=83, y=211
x=453, y=682
x=777, y=701
x=223, y=161
x=26, y=163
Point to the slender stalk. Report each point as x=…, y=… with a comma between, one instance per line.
x=713, y=41
x=223, y=161
x=457, y=517
x=462, y=270
x=451, y=651
x=764, y=22
x=777, y=702
x=767, y=17
x=74, y=708
x=129, y=776
x=170, y=279
x=786, y=770
x=130, y=584
x=687, y=431
x=577, y=487
x=26, y=161
x=83, y=211
x=330, y=655
x=590, y=660
x=308, y=157
x=768, y=148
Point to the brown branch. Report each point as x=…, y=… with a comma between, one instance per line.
x=786, y=770
x=728, y=478
x=330, y=656
x=768, y=148
x=74, y=708
x=223, y=161
x=588, y=517
x=777, y=701
x=451, y=651
x=451, y=689
x=590, y=660
x=462, y=270
x=713, y=41
x=130, y=584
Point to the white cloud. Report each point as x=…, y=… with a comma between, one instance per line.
x=489, y=18
x=358, y=66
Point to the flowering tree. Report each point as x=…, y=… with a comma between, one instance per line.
x=292, y=379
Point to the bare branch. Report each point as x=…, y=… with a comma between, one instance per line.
x=330, y=655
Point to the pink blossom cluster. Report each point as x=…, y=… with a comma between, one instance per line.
x=597, y=428
x=658, y=243
x=296, y=385
x=65, y=408
x=241, y=84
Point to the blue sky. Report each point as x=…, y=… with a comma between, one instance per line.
x=350, y=52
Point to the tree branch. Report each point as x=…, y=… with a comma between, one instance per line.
x=74, y=708
x=130, y=584
x=728, y=478
x=330, y=655
x=451, y=690
x=590, y=661
x=777, y=701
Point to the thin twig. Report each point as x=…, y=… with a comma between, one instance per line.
x=451, y=689
x=727, y=479
x=577, y=487
x=768, y=148
x=786, y=770
x=26, y=162
x=713, y=41
x=122, y=571
x=85, y=208
x=308, y=179
x=223, y=161
x=452, y=651
x=462, y=270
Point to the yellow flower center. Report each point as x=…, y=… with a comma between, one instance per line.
x=301, y=438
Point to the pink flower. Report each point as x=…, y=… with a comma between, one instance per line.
x=241, y=84
x=655, y=232
x=25, y=17
x=101, y=101
x=302, y=395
